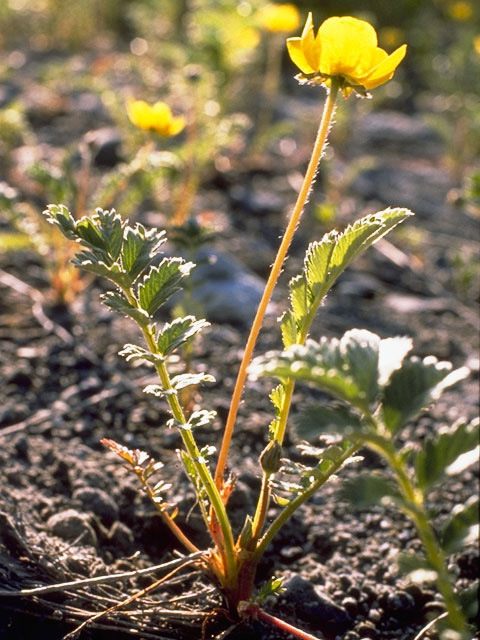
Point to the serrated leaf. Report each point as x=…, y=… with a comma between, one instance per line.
x=59, y=215
x=272, y=587
x=346, y=368
x=412, y=387
x=200, y=419
x=434, y=462
x=162, y=282
x=317, y=420
x=391, y=354
x=177, y=332
x=317, y=363
x=135, y=352
x=361, y=349
x=370, y=489
x=300, y=297
x=158, y=390
x=188, y=379
x=139, y=248
x=277, y=398
x=118, y=302
x=111, y=227
x=289, y=329
x=360, y=235
x=317, y=261
x=462, y=526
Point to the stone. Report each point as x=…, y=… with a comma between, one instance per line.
x=422, y=189
x=98, y=502
x=313, y=606
x=395, y=133
x=224, y=289
x=72, y=525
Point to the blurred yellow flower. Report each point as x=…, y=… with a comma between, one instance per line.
x=391, y=36
x=476, y=44
x=157, y=117
x=279, y=17
x=345, y=48
x=460, y=10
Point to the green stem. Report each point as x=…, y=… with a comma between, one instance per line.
x=292, y=506
x=416, y=511
x=192, y=449
x=324, y=127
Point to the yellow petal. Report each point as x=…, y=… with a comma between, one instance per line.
x=347, y=44
x=138, y=112
x=295, y=50
x=176, y=125
x=310, y=46
x=385, y=70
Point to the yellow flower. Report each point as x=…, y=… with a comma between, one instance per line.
x=157, y=117
x=460, y=10
x=476, y=44
x=279, y=17
x=345, y=48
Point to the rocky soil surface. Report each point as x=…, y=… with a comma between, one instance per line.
x=69, y=511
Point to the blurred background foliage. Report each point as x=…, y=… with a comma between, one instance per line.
x=66, y=65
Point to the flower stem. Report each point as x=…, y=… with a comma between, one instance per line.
x=322, y=134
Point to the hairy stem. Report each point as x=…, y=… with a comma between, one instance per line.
x=324, y=127
x=192, y=449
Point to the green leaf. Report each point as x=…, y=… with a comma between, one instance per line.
x=177, y=332
x=412, y=387
x=162, y=282
x=134, y=352
x=361, y=349
x=118, y=302
x=370, y=489
x=416, y=567
x=188, y=379
x=317, y=261
x=317, y=420
x=391, y=354
x=440, y=453
x=360, y=235
x=469, y=601
x=139, y=249
x=111, y=227
x=317, y=363
x=289, y=329
x=59, y=215
x=346, y=368
x=272, y=587
x=462, y=526
x=300, y=297
x=197, y=419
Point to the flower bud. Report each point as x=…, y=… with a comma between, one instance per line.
x=270, y=457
